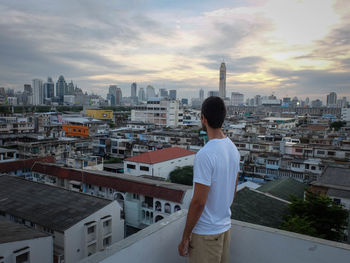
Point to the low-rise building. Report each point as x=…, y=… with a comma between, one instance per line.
x=81, y=224
x=100, y=114
x=158, y=163
x=19, y=243
x=144, y=200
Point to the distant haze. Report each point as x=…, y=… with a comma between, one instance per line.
x=295, y=47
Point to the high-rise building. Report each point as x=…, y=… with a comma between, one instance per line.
x=70, y=88
x=49, y=89
x=307, y=101
x=28, y=88
x=201, y=95
x=172, y=94
x=118, y=97
x=213, y=93
x=316, y=103
x=222, y=83
x=112, y=94
x=257, y=100
x=133, y=90
x=237, y=99
x=332, y=99
x=150, y=93
x=38, y=92
x=61, y=88
x=163, y=93
x=142, y=94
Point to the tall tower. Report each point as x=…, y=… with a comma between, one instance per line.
x=61, y=88
x=222, y=83
x=133, y=90
x=201, y=95
x=38, y=92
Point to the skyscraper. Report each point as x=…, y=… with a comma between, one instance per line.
x=163, y=93
x=237, y=99
x=28, y=88
x=142, y=94
x=150, y=93
x=61, y=88
x=49, y=89
x=332, y=99
x=38, y=92
x=201, y=95
x=70, y=88
x=112, y=94
x=118, y=97
x=172, y=94
x=222, y=83
x=133, y=90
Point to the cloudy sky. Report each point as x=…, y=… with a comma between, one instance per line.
x=295, y=47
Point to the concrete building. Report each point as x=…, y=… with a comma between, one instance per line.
x=22, y=167
x=345, y=114
x=158, y=163
x=112, y=94
x=213, y=93
x=150, y=92
x=118, y=97
x=201, y=95
x=38, y=92
x=143, y=200
x=142, y=94
x=237, y=99
x=49, y=89
x=160, y=112
x=222, y=81
x=163, y=93
x=19, y=243
x=100, y=114
x=133, y=90
x=61, y=87
x=81, y=224
x=332, y=99
x=172, y=94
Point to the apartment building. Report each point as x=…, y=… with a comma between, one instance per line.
x=160, y=112
x=19, y=243
x=144, y=201
x=158, y=163
x=80, y=224
x=16, y=125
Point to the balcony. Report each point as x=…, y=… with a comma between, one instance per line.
x=249, y=244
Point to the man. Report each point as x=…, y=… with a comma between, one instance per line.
x=206, y=237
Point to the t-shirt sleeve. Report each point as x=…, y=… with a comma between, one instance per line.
x=202, y=169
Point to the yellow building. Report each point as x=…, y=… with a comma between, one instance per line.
x=100, y=114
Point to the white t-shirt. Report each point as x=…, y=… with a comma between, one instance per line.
x=216, y=165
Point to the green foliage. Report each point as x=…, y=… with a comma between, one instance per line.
x=111, y=125
x=337, y=125
x=317, y=216
x=113, y=160
x=182, y=175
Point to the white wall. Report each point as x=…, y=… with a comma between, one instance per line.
x=75, y=245
x=162, y=169
x=249, y=243
x=40, y=249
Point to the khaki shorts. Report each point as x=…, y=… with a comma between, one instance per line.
x=210, y=248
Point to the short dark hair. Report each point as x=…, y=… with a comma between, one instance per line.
x=214, y=110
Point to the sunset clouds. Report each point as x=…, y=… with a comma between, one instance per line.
x=295, y=47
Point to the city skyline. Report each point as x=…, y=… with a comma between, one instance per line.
x=166, y=45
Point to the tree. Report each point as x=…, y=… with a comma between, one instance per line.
x=317, y=216
x=336, y=125
x=182, y=175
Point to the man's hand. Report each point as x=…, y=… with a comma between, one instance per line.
x=184, y=247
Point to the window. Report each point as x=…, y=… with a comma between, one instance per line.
x=299, y=150
x=320, y=152
x=106, y=223
x=130, y=166
x=91, y=229
x=331, y=153
x=106, y=241
x=135, y=196
x=23, y=258
x=144, y=168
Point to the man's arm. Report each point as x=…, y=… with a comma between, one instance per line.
x=236, y=184
x=195, y=210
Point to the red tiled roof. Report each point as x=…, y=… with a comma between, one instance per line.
x=117, y=183
x=12, y=166
x=159, y=156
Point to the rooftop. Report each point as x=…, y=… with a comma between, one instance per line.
x=284, y=188
x=121, y=182
x=12, y=232
x=335, y=177
x=258, y=208
x=6, y=167
x=159, y=156
x=49, y=206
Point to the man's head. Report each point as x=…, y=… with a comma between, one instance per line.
x=214, y=112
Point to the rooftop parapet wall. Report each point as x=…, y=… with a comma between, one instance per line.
x=249, y=243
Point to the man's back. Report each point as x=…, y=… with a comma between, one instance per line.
x=216, y=165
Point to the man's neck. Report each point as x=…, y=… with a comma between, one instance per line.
x=215, y=133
